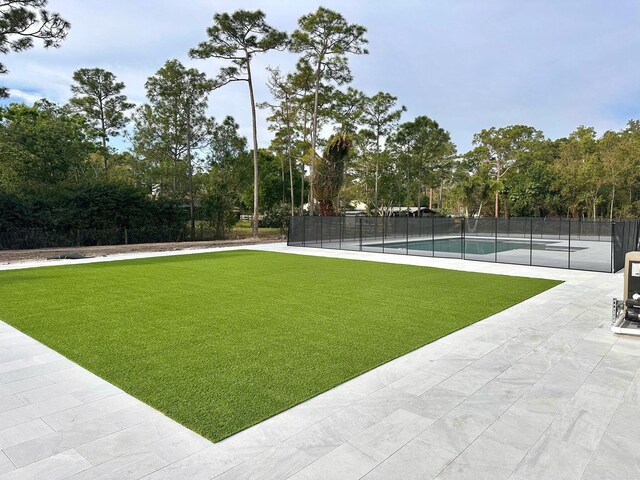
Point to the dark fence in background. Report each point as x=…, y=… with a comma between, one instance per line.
x=624, y=238
x=44, y=238
x=596, y=245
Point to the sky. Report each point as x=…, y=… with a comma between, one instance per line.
x=468, y=64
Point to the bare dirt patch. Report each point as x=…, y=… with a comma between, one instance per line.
x=16, y=256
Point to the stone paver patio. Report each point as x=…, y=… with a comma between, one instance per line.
x=541, y=390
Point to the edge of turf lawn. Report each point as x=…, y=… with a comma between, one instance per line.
x=552, y=284
x=555, y=283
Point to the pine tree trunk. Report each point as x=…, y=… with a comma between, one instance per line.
x=302, y=189
x=613, y=196
x=190, y=166
x=375, y=193
x=290, y=161
x=314, y=137
x=104, y=136
x=291, y=183
x=256, y=178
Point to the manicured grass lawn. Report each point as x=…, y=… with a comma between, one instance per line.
x=222, y=341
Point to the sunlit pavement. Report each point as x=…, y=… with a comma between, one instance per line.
x=541, y=390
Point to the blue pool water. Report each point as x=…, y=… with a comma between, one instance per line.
x=478, y=246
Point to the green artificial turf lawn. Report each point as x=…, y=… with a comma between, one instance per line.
x=224, y=340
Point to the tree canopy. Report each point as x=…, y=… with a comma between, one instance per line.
x=60, y=167
x=22, y=22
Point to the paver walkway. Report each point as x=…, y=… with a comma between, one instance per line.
x=541, y=390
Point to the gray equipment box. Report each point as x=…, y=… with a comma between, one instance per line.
x=626, y=312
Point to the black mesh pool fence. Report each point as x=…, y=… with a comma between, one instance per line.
x=595, y=245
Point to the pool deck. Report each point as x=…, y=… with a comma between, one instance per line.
x=541, y=390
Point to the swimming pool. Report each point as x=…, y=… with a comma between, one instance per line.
x=475, y=246
x=563, y=243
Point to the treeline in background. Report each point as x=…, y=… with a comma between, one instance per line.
x=179, y=173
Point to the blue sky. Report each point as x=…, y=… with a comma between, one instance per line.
x=468, y=64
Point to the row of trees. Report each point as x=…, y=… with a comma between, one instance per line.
x=203, y=167
x=526, y=174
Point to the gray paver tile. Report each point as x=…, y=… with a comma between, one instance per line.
x=137, y=469
x=60, y=441
x=492, y=451
x=9, y=402
x=495, y=398
x=36, y=395
x=553, y=458
x=419, y=381
x=477, y=348
x=384, y=402
x=36, y=410
x=6, y=465
x=448, y=363
x=609, y=381
x=123, y=441
x=24, y=385
x=58, y=467
x=321, y=438
x=456, y=430
x=584, y=419
x=132, y=415
x=599, y=472
x=346, y=424
x=461, y=471
x=435, y=402
x=273, y=464
x=113, y=465
x=23, y=432
x=625, y=423
x=632, y=395
x=417, y=460
x=390, y=434
x=469, y=379
x=14, y=375
x=345, y=462
x=203, y=465
x=619, y=453
x=179, y=445
x=90, y=411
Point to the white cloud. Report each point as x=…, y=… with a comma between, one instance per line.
x=26, y=97
x=467, y=64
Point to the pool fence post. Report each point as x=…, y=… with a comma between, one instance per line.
x=340, y=232
x=360, y=239
x=408, y=234
x=383, y=232
x=560, y=229
x=579, y=228
x=433, y=236
x=463, y=242
x=495, y=253
x=355, y=230
x=569, y=247
x=531, y=241
x=320, y=231
x=599, y=231
x=611, y=246
x=304, y=230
